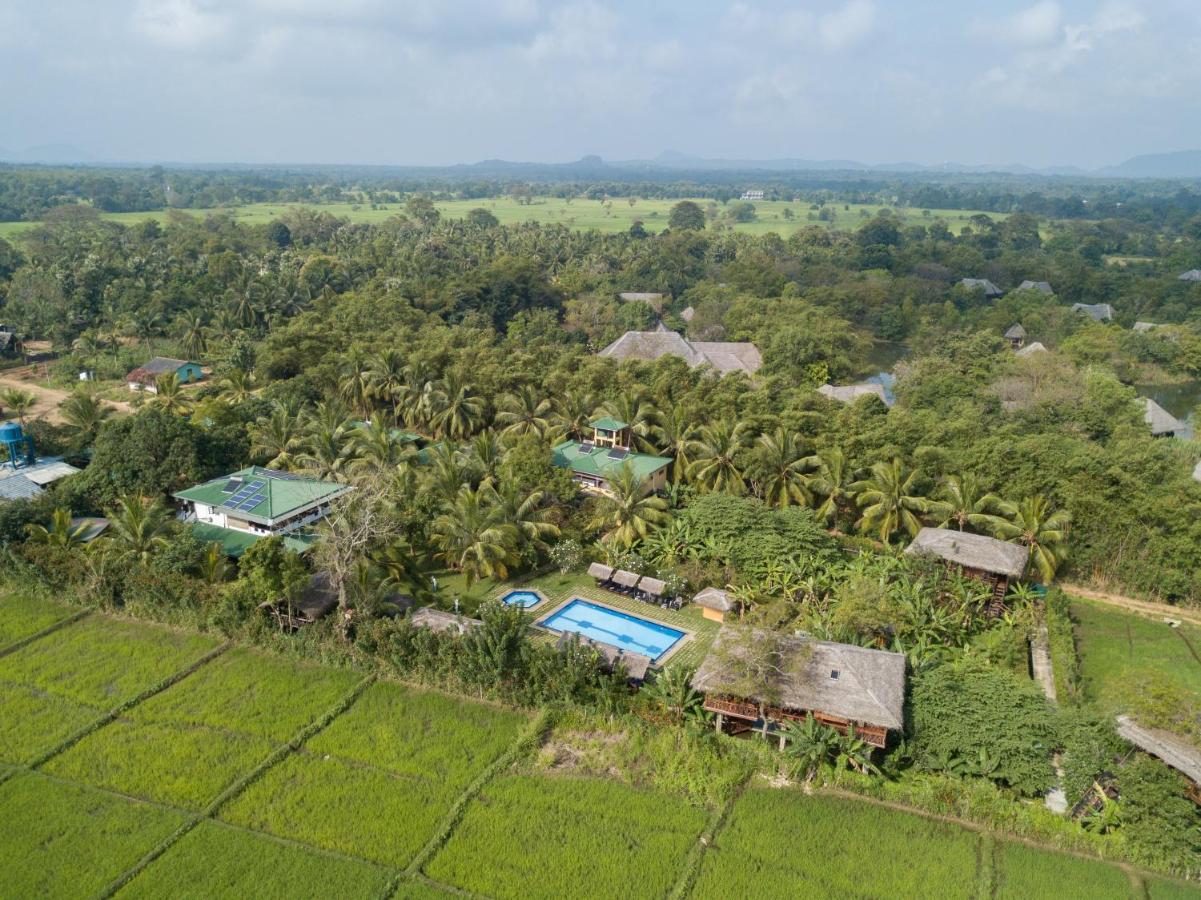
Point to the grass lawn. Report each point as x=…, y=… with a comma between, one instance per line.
x=187, y=744
x=376, y=782
x=215, y=860
x=65, y=840
x=558, y=587
x=527, y=836
x=58, y=684
x=21, y=617
x=1130, y=663
x=616, y=214
x=1024, y=873
x=780, y=843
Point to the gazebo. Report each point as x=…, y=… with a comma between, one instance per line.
x=715, y=603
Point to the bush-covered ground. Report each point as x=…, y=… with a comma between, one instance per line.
x=56, y=685
x=530, y=836
x=376, y=783
x=1133, y=664
x=187, y=744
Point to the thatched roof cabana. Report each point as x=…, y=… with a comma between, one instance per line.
x=652, y=586
x=437, y=620
x=991, y=291
x=1016, y=332
x=972, y=551
x=715, y=599
x=636, y=664
x=1043, y=286
x=854, y=683
x=600, y=571
x=626, y=579
x=1172, y=750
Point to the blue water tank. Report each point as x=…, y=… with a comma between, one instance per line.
x=19, y=447
x=11, y=431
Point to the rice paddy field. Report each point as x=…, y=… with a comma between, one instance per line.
x=146, y=762
x=614, y=214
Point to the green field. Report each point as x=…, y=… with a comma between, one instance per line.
x=238, y=773
x=21, y=618
x=615, y=214
x=1133, y=664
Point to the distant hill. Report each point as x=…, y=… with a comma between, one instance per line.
x=1183, y=164
x=52, y=154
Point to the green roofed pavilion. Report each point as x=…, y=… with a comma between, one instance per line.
x=592, y=466
x=608, y=423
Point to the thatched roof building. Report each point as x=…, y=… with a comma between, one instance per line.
x=976, y=555
x=1144, y=327
x=1016, y=332
x=839, y=684
x=636, y=664
x=715, y=598
x=722, y=356
x=1043, y=286
x=1161, y=422
x=991, y=291
x=849, y=393
x=437, y=620
x=1190, y=275
x=1098, y=312
x=1174, y=751
x=1030, y=349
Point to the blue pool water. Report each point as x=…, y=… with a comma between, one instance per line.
x=617, y=629
x=524, y=599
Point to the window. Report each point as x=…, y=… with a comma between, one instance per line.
x=834, y=674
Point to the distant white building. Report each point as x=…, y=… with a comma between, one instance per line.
x=751, y=195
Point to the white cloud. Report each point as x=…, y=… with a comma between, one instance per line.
x=847, y=26
x=182, y=24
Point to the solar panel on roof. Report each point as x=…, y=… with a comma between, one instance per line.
x=251, y=502
x=587, y=447
x=618, y=453
x=245, y=492
x=232, y=485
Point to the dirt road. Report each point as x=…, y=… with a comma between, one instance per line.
x=1158, y=611
x=46, y=398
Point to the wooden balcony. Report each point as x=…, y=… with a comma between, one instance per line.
x=873, y=735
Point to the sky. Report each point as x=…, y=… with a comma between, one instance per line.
x=435, y=82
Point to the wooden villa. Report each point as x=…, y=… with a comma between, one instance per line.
x=997, y=563
x=839, y=685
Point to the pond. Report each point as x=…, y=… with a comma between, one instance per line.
x=881, y=361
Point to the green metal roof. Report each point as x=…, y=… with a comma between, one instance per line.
x=234, y=543
x=283, y=493
x=600, y=464
x=608, y=423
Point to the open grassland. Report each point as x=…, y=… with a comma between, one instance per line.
x=21, y=617
x=614, y=214
x=782, y=844
x=1130, y=663
x=60, y=683
x=527, y=836
x=187, y=744
x=1025, y=873
x=66, y=840
x=215, y=860
x=376, y=782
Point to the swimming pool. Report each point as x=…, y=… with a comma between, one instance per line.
x=617, y=629
x=524, y=599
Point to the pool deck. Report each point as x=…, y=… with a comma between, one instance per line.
x=560, y=590
x=658, y=662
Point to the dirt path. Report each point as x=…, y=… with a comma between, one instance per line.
x=1158, y=611
x=46, y=398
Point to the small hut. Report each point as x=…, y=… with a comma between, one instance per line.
x=651, y=588
x=317, y=600
x=839, y=685
x=636, y=665
x=990, y=290
x=602, y=573
x=1041, y=286
x=1098, y=312
x=715, y=603
x=996, y=563
x=1016, y=335
x=1030, y=349
x=626, y=581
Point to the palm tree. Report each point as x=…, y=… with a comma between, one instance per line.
x=527, y=516
x=1035, y=523
x=379, y=447
x=717, y=465
x=18, y=402
x=888, y=500
x=237, y=386
x=831, y=480
x=137, y=528
x=525, y=412
x=629, y=513
x=779, y=470
x=637, y=411
x=471, y=538
x=458, y=411
x=673, y=695
x=214, y=565
x=276, y=437
x=572, y=413
x=328, y=452
x=169, y=395
x=61, y=532
x=84, y=413
x=962, y=502
x=194, y=337
x=385, y=378
x=676, y=436
x=354, y=382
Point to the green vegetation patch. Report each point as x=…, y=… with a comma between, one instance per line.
x=187, y=744
x=215, y=860
x=21, y=617
x=376, y=783
x=527, y=836
x=779, y=843
x=1163, y=889
x=65, y=840
x=1137, y=665
x=1030, y=874
x=57, y=685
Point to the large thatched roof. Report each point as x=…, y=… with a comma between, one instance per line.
x=990, y=289
x=723, y=356
x=1031, y=349
x=1029, y=285
x=636, y=664
x=975, y=551
x=1159, y=419
x=865, y=686
x=437, y=620
x=1174, y=751
x=1098, y=312
x=849, y=393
